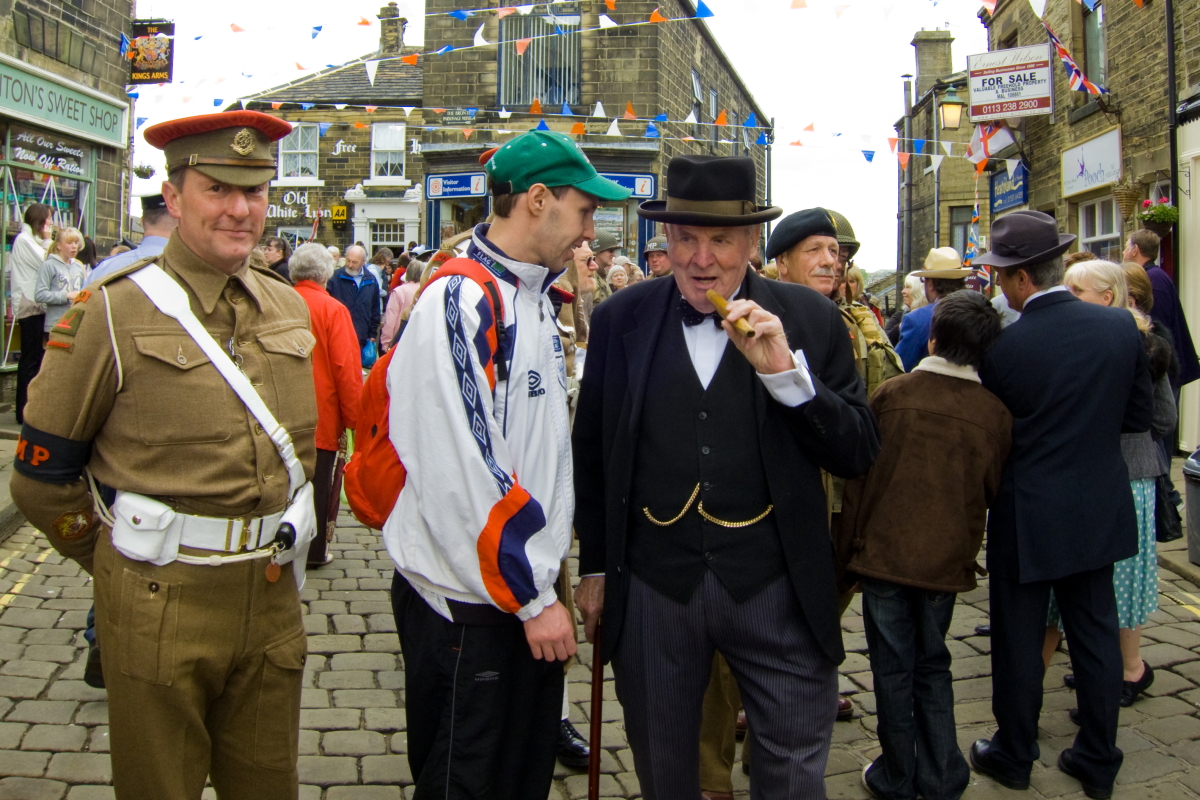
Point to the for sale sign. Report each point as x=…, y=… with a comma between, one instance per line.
x=1011, y=83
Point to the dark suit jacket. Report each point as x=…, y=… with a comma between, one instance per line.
x=835, y=431
x=1075, y=377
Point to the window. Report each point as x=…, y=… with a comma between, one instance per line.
x=387, y=150
x=1008, y=42
x=697, y=99
x=388, y=233
x=733, y=127
x=295, y=236
x=960, y=223
x=749, y=137
x=1095, y=60
x=549, y=70
x=1100, y=229
x=298, y=155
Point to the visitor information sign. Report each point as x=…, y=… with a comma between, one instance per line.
x=1011, y=83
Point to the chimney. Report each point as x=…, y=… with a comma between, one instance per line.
x=933, y=58
x=391, y=30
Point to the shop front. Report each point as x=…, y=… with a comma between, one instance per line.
x=1089, y=171
x=454, y=202
x=54, y=137
x=621, y=219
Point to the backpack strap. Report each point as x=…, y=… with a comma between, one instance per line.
x=473, y=270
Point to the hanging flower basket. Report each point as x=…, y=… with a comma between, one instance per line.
x=1163, y=229
x=1128, y=196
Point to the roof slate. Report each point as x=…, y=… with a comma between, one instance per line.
x=396, y=83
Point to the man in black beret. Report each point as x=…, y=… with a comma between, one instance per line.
x=699, y=506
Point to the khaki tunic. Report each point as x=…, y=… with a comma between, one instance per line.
x=161, y=421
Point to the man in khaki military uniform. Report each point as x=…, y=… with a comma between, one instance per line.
x=203, y=650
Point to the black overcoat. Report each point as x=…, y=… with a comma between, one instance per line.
x=835, y=431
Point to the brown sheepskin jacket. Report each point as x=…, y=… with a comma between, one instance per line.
x=917, y=517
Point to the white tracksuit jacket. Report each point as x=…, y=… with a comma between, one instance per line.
x=485, y=514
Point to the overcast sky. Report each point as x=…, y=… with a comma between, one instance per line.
x=835, y=64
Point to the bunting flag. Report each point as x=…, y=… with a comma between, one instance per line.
x=364, y=21
x=1011, y=165
x=358, y=124
x=504, y=113
x=410, y=60
x=566, y=111
x=479, y=40
x=612, y=4
x=980, y=167
x=536, y=106
x=810, y=127
x=442, y=51
x=762, y=138
x=948, y=147
x=124, y=48
x=217, y=102
x=702, y=11
x=307, y=106
x=501, y=13
x=918, y=146
x=892, y=140
x=903, y=158
x=613, y=130
x=233, y=26
x=467, y=132
x=522, y=45
x=578, y=127
x=370, y=109
x=372, y=68
x=651, y=132
x=299, y=67
x=721, y=119
x=655, y=16
x=869, y=155
x=542, y=126
x=797, y=143
x=323, y=127
x=691, y=117
x=140, y=122
x=751, y=121
x=276, y=106
x=606, y=22
x=599, y=111
x=460, y=14
x=629, y=111
x=316, y=30
x=799, y=4
x=1075, y=76
x=661, y=118
x=937, y=162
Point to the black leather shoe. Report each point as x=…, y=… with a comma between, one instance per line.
x=1074, y=715
x=982, y=761
x=1067, y=765
x=1069, y=680
x=93, y=674
x=983, y=630
x=1131, y=689
x=573, y=750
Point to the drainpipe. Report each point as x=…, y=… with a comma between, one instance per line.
x=905, y=250
x=1172, y=127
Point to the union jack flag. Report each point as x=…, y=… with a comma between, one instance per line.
x=1078, y=80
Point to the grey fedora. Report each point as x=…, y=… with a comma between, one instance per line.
x=1023, y=238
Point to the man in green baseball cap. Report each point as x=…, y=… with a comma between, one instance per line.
x=482, y=570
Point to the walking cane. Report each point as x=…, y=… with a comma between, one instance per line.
x=597, y=706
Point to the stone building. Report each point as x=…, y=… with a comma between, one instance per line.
x=943, y=200
x=471, y=98
x=64, y=116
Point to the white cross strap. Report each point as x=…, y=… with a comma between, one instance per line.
x=170, y=298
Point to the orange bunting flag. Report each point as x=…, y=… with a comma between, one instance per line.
x=810, y=127
x=629, y=111
x=797, y=143
x=536, y=108
x=438, y=110
x=358, y=124
x=411, y=60
x=837, y=12
x=1138, y=3
x=721, y=118
x=657, y=17
x=233, y=26
x=364, y=21
x=467, y=132
x=799, y=4
x=370, y=109
x=980, y=167
x=612, y=4
x=522, y=45
x=903, y=157
x=892, y=143
x=501, y=13
x=298, y=66
x=578, y=128
x=276, y=106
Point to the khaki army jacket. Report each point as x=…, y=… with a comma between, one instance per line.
x=124, y=391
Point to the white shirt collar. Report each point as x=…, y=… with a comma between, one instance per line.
x=1035, y=295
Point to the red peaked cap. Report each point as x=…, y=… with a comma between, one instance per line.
x=164, y=133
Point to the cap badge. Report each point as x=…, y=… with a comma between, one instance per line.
x=243, y=142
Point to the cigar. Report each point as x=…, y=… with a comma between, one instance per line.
x=722, y=305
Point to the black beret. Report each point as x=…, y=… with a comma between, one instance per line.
x=153, y=203
x=795, y=228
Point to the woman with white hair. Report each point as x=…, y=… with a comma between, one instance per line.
x=337, y=378
x=61, y=276
x=913, y=295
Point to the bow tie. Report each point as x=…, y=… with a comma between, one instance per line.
x=693, y=317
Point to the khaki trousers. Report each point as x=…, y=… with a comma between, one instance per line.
x=718, y=720
x=203, y=666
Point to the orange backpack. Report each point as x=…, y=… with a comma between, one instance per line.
x=374, y=475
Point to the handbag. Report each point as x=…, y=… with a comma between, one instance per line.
x=369, y=354
x=1168, y=525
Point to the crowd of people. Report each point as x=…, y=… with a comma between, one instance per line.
x=737, y=438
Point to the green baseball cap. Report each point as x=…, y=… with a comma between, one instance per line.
x=549, y=158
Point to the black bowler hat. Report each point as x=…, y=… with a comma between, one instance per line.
x=1023, y=238
x=709, y=191
x=153, y=203
x=797, y=227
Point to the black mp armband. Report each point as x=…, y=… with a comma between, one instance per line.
x=48, y=458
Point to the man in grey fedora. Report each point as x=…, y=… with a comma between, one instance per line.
x=699, y=506
x=1074, y=376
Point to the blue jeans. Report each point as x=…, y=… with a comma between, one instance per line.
x=906, y=633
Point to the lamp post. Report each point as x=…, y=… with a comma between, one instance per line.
x=905, y=249
x=950, y=110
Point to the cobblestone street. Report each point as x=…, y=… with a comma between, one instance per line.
x=54, y=738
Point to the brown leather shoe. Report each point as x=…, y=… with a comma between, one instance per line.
x=739, y=727
x=845, y=709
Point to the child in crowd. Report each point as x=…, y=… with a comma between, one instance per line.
x=910, y=531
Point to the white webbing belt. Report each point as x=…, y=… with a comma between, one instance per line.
x=170, y=298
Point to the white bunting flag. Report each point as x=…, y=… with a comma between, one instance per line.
x=1012, y=164
x=937, y=162
x=372, y=68
x=948, y=147
x=606, y=22
x=691, y=117
x=340, y=106
x=599, y=111
x=614, y=129
x=479, y=40
x=505, y=113
x=407, y=109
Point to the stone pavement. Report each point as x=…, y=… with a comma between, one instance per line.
x=54, y=739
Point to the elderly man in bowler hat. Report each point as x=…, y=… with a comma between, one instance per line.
x=700, y=511
x=1064, y=513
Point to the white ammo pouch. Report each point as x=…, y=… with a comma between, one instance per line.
x=145, y=529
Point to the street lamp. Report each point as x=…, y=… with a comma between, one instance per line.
x=950, y=110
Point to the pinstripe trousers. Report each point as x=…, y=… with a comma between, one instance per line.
x=789, y=687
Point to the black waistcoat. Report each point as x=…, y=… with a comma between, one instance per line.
x=691, y=436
